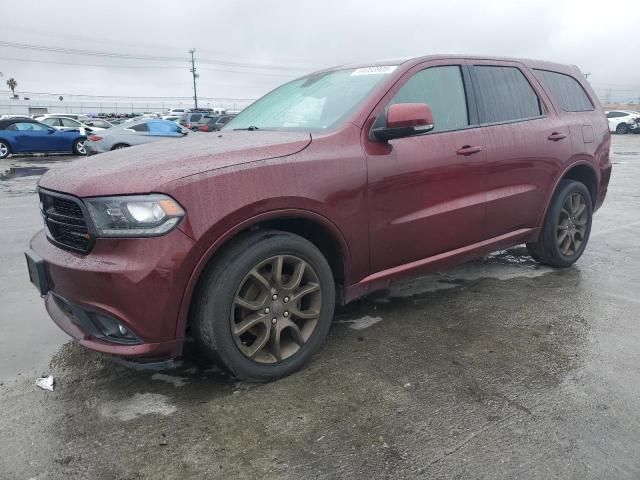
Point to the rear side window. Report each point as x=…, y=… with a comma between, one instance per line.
x=141, y=127
x=565, y=90
x=505, y=95
x=195, y=117
x=442, y=88
x=68, y=122
x=616, y=115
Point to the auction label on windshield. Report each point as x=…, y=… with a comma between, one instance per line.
x=379, y=70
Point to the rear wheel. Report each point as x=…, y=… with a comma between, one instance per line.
x=566, y=228
x=265, y=306
x=119, y=146
x=79, y=147
x=622, y=129
x=5, y=149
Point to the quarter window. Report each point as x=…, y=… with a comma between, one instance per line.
x=566, y=91
x=195, y=118
x=505, y=95
x=442, y=88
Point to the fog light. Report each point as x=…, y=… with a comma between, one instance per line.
x=122, y=330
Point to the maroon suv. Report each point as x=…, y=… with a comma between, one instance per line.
x=324, y=190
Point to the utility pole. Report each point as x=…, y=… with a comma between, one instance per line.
x=195, y=75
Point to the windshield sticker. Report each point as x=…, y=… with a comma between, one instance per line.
x=379, y=70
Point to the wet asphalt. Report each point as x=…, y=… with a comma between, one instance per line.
x=499, y=368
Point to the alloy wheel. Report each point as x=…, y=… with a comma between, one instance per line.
x=4, y=150
x=276, y=309
x=572, y=224
x=80, y=147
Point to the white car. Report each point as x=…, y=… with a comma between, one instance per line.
x=62, y=123
x=623, y=121
x=75, y=116
x=177, y=112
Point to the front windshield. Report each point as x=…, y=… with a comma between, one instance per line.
x=316, y=102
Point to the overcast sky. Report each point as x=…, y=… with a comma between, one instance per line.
x=283, y=39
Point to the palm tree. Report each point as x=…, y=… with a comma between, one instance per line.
x=12, y=84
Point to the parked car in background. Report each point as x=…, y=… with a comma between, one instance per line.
x=172, y=118
x=214, y=124
x=177, y=111
x=210, y=124
x=192, y=121
x=623, y=121
x=75, y=116
x=61, y=123
x=21, y=135
x=326, y=189
x=132, y=133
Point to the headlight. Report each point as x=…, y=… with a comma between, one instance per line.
x=135, y=215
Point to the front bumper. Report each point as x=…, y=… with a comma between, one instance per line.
x=138, y=282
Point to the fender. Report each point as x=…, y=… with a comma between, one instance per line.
x=556, y=182
x=185, y=303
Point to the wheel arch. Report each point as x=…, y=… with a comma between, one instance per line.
x=8, y=142
x=581, y=171
x=312, y=226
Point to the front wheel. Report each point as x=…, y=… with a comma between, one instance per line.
x=622, y=129
x=265, y=306
x=566, y=228
x=79, y=147
x=5, y=149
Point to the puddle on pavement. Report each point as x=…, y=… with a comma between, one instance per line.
x=17, y=172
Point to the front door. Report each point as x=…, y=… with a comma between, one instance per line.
x=427, y=193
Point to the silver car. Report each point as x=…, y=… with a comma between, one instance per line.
x=138, y=132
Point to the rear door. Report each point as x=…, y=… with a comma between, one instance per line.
x=526, y=144
x=426, y=193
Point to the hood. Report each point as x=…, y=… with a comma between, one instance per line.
x=145, y=168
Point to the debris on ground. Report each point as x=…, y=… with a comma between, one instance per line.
x=45, y=383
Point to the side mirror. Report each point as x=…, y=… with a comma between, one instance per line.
x=405, y=120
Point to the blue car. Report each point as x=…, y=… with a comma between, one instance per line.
x=23, y=135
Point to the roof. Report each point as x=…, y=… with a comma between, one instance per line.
x=539, y=64
x=10, y=121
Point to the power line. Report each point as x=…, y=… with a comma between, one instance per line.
x=145, y=67
x=128, y=56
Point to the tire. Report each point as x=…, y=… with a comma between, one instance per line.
x=5, y=149
x=119, y=146
x=229, y=284
x=571, y=207
x=79, y=147
x=622, y=129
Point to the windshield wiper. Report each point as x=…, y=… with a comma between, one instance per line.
x=251, y=128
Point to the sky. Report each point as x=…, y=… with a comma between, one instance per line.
x=244, y=48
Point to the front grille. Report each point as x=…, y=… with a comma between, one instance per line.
x=65, y=221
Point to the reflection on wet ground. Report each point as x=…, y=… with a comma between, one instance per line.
x=499, y=368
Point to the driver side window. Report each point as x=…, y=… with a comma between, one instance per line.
x=442, y=88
